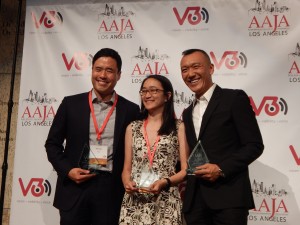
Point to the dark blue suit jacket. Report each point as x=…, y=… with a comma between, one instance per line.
x=231, y=138
x=72, y=124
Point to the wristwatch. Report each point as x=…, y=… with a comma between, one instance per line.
x=221, y=173
x=168, y=184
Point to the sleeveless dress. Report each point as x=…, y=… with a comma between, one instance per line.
x=145, y=208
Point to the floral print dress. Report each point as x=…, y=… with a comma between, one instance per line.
x=146, y=208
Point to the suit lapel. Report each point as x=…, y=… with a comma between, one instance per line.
x=191, y=134
x=214, y=101
x=86, y=118
x=120, y=117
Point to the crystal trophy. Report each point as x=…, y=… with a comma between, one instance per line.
x=88, y=163
x=84, y=158
x=145, y=177
x=198, y=157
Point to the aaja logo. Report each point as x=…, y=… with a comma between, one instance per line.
x=270, y=203
x=294, y=71
x=115, y=23
x=268, y=18
x=270, y=105
x=39, y=110
x=47, y=19
x=181, y=98
x=148, y=62
x=35, y=186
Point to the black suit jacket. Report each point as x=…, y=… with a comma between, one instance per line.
x=72, y=124
x=231, y=138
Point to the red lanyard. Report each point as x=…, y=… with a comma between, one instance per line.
x=99, y=132
x=150, y=154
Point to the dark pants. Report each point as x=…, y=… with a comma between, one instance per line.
x=94, y=206
x=201, y=214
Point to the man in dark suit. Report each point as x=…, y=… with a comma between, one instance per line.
x=223, y=119
x=97, y=119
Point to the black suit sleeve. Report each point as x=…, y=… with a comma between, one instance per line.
x=249, y=136
x=54, y=143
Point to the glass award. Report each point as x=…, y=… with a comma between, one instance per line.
x=85, y=162
x=84, y=158
x=146, y=177
x=198, y=157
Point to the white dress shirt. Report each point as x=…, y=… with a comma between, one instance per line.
x=200, y=106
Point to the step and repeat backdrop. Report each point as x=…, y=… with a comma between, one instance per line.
x=254, y=45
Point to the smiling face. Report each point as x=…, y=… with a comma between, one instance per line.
x=155, y=101
x=196, y=72
x=105, y=76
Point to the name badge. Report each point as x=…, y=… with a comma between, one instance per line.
x=98, y=155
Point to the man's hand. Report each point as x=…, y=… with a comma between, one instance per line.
x=209, y=172
x=79, y=175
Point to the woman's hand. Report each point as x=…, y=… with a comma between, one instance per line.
x=130, y=187
x=158, y=186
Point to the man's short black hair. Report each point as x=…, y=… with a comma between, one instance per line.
x=108, y=52
x=192, y=50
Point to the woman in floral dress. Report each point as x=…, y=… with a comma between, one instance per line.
x=153, y=147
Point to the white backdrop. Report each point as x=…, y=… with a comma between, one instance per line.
x=254, y=45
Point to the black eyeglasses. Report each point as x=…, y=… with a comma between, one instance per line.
x=152, y=91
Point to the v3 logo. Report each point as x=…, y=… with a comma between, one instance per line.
x=295, y=155
x=80, y=60
x=232, y=60
x=270, y=105
x=193, y=15
x=36, y=186
x=48, y=19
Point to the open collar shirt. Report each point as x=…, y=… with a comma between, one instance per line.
x=107, y=137
x=200, y=106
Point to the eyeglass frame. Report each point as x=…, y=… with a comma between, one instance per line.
x=152, y=91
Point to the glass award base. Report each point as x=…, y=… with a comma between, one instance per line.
x=198, y=157
x=147, y=178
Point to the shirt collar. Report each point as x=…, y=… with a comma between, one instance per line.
x=206, y=96
x=96, y=100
